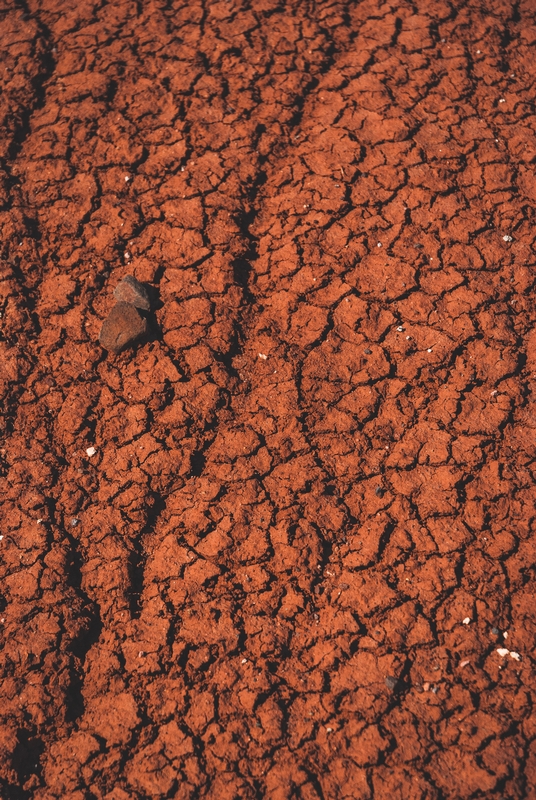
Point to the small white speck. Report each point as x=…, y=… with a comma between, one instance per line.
x=91, y=451
x=408, y=337
x=39, y=521
x=1, y=537
x=496, y=140
x=507, y=238
x=502, y=100
x=467, y=620
x=263, y=356
x=127, y=255
x=515, y=656
x=478, y=52
x=400, y=329
x=244, y=661
x=443, y=41
x=429, y=350
x=464, y=663
x=329, y=730
x=3, y=619
x=141, y=654
x=127, y=178
x=494, y=392
x=379, y=244
x=505, y=635
x=502, y=651
x=182, y=169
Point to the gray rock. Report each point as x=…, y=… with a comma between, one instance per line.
x=122, y=327
x=130, y=290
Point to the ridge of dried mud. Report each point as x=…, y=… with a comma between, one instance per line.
x=322, y=461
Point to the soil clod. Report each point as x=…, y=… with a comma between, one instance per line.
x=122, y=327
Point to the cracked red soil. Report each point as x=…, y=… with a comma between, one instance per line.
x=321, y=461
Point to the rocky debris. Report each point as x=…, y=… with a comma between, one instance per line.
x=130, y=290
x=122, y=327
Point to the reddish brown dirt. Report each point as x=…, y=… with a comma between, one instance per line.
x=322, y=460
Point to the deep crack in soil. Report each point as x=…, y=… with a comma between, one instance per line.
x=307, y=528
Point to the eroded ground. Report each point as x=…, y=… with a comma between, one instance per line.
x=322, y=461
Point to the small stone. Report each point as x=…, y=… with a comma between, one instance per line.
x=495, y=631
x=74, y=522
x=121, y=328
x=391, y=682
x=379, y=491
x=129, y=290
x=367, y=351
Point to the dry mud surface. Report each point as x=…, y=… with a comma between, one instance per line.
x=320, y=462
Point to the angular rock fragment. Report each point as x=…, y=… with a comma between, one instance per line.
x=122, y=327
x=130, y=290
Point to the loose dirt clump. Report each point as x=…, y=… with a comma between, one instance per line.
x=302, y=563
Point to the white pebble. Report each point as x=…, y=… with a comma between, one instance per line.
x=400, y=329
x=502, y=100
x=507, y=238
x=329, y=730
x=379, y=244
x=505, y=635
x=515, y=656
x=261, y=355
x=503, y=652
x=127, y=178
x=1, y=537
x=464, y=663
x=91, y=451
x=429, y=350
x=244, y=661
x=467, y=620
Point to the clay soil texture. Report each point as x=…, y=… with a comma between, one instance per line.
x=282, y=547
